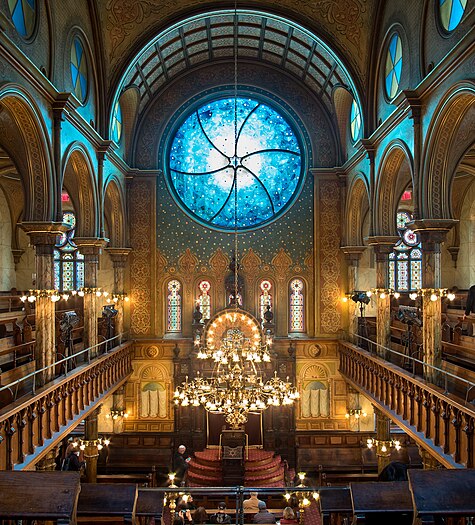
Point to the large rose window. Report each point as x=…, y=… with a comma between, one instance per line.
x=235, y=163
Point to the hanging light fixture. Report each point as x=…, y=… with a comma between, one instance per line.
x=234, y=340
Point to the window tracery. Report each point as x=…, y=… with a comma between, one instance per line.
x=405, y=263
x=296, y=306
x=205, y=299
x=174, y=306
x=393, y=68
x=265, y=298
x=68, y=261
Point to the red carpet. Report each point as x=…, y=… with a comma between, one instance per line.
x=262, y=469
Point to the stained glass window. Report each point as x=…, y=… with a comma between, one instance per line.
x=206, y=167
x=297, y=312
x=265, y=298
x=205, y=299
x=117, y=123
x=393, y=66
x=355, y=120
x=23, y=13
x=68, y=262
x=79, y=75
x=451, y=13
x=405, y=263
x=174, y=306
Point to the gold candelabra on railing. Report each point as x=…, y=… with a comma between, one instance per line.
x=304, y=497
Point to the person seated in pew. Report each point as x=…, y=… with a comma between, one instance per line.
x=288, y=517
x=220, y=517
x=200, y=516
x=263, y=516
x=395, y=471
x=251, y=505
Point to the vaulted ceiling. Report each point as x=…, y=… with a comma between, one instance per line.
x=346, y=26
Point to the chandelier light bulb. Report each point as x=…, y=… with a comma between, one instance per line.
x=433, y=297
x=397, y=295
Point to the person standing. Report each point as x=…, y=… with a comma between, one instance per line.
x=470, y=302
x=180, y=465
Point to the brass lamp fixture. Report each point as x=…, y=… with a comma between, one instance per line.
x=383, y=446
x=234, y=340
x=304, y=497
x=357, y=413
x=116, y=413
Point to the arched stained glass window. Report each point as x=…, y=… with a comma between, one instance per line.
x=296, y=306
x=205, y=166
x=355, y=121
x=79, y=74
x=68, y=261
x=451, y=13
x=393, y=66
x=405, y=263
x=265, y=298
x=205, y=299
x=23, y=13
x=174, y=306
x=117, y=123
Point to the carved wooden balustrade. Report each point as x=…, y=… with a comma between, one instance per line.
x=424, y=410
x=31, y=425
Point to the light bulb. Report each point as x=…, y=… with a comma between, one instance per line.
x=413, y=296
x=382, y=295
x=433, y=297
x=384, y=449
x=397, y=295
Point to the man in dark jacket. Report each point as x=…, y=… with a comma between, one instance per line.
x=263, y=516
x=180, y=464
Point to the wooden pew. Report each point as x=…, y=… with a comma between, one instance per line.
x=49, y=496
x=382, y=502
x=101, y=502
x=442, y=493
x=149, y=505
x=145, y=480
x=335, y=504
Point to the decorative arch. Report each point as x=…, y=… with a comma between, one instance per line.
x=154, y=387
x=450, y=136
x=342, y=100
x=315, y=395
x=80, y=182
x=114, y=210
x=395, y=173
x=356, y=208
x=25, y=139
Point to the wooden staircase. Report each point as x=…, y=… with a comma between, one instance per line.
x=262, y=469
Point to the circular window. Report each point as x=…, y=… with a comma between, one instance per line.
x=23, y=13
x=355, y=120
x=79, y=70
x=393, y=66
x=235, y=163
x=451, y=12
x=117, y=123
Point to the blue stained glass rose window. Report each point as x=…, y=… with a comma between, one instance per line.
x=263, y=171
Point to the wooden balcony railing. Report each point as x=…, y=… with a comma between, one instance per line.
x=30, y=425
x=423, y=410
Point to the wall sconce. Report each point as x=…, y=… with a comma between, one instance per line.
x=384, y=445
x=99, y=443
x=356, y=413
x=115, y=413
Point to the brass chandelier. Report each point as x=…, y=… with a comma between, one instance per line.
x=236, y=386
x=235, y=342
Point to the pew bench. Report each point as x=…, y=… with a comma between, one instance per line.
x=382, y=502
x=107, y=503
x=335, y=504
x=442, y=493
x=51, y=496
x=139, y=479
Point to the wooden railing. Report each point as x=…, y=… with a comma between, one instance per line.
x=423, y=410
x=29, y=426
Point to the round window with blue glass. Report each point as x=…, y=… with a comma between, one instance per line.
x=235, y=163
x=451, y=13
x=23, y=13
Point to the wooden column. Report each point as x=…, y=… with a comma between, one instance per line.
x=91, y=452
x=383, y=436
x=432, y=233
x=119, y=262
x=44, y=237
x=91, y=249
x=353, y=255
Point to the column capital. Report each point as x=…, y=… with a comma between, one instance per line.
x=432, y=231
x=382, y=245
x=90, y=245
x=119, y=256
x=353, y=253
x=44, y=233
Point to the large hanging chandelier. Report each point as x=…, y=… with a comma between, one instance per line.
x=234, y=341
